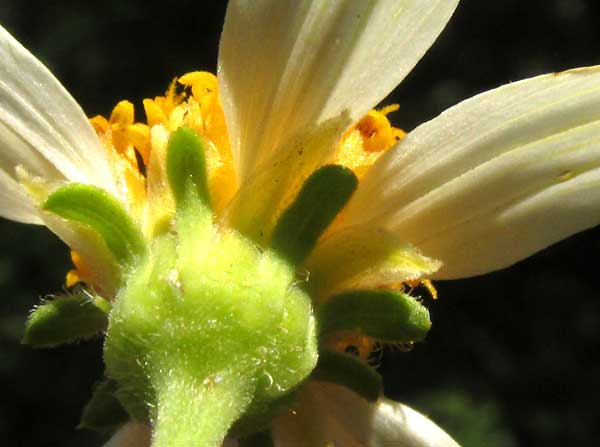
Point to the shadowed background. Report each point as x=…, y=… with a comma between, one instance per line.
x=513, y=357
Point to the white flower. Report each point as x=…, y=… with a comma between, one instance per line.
x=487, y=183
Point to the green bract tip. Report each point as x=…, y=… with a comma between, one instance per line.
x=102, y=213
x=66, y=319
x=186, y=167
x=321, y=198
x=382, y=314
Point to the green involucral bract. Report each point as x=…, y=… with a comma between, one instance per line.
x=208, y=328
x=322, y=197
x=386, y=315
x=66, y=319
x=209, y=333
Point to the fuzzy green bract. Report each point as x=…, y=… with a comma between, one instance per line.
x=96, y=209
x=321, y=198
x=66, y=319
x=386, y=315
x=208, y=328
x=210, y=334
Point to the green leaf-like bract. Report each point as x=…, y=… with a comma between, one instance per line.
x=100, y=211
x=350, y=372
x=186, y=167
x=64, y=320
x=385, y=315
x=321, y=198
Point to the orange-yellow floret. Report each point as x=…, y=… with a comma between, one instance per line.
x=364, y=142
x=126, y=134
x=201, y=111
x=117, y=136
x=80, y=273
x=127, y=140
x=352, y=343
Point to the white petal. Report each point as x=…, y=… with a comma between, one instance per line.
x=132, y=434
x=42, y=128
x=286, y=65
x=259, y=203
x=329, y=414
x=495, y=178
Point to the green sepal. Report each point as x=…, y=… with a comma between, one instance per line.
x=260, y=439
x=351, y=372
x=321, y=198
x=104, y=413
x=97, y=209
x=186, y=168
x=382, y=314
x=66, y=319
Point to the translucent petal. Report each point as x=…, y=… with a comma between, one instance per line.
x=362, y=257
x=42, y=128
x=14, y=203
x=495, y=178
x=257, y=205
x=288, y=65
x=329, y=414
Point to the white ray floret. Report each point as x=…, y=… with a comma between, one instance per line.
x=42, y=129
x=288, y=65
x=495, y=178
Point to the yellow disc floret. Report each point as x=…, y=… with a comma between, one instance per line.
x=364, y=142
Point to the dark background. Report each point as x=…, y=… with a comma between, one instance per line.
x=513, y=356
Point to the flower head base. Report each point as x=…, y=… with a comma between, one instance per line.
x=206, y=314
x=196, y=304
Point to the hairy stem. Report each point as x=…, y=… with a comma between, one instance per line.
x=198, y=413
